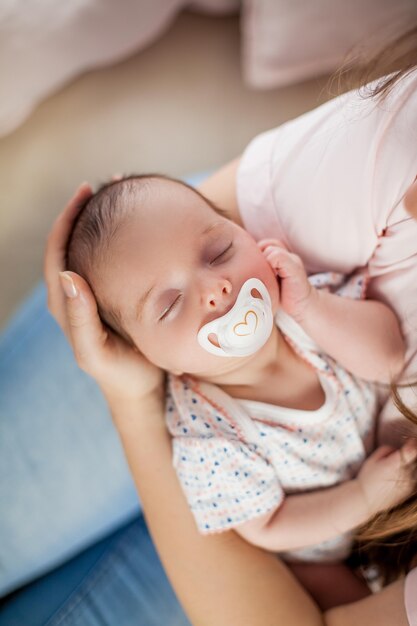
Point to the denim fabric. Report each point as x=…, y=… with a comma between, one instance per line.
x=64, y=481
x=118, y=581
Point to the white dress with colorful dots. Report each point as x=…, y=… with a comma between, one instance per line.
x=236, y=459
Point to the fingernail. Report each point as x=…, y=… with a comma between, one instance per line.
x=68, y=285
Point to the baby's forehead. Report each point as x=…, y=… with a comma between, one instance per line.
x=165, y=211
x=168, y=200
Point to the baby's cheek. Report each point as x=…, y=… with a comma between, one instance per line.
x=181, y=352
x=149, y=344
x=272, y=284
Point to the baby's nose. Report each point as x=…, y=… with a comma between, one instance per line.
x=217, y=296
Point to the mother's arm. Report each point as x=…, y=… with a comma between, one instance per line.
x=221, y=579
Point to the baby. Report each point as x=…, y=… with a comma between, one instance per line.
x=271, y=399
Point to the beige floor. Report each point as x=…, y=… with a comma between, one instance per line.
x=177, y=107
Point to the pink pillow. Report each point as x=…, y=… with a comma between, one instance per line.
x=286, y=41
x=45, y=44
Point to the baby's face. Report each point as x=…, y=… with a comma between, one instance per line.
x=175, y=266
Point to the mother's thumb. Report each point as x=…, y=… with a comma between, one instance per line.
x=68, y=285
x=84, y=325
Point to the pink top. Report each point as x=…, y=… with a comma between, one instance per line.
x=330, y=184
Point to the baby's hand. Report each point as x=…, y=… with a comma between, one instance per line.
x=386, y=477
x=296, y=292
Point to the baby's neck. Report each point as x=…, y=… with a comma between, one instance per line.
x=277, y=376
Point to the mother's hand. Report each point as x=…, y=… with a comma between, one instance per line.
x=119, y=369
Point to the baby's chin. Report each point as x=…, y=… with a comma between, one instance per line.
x=207, y=367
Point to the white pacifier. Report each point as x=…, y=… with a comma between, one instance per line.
x=245, y=328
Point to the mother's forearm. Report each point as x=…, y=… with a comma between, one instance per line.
x=219, y=579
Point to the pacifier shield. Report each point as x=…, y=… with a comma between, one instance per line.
x=248, y=326
x=245, y=328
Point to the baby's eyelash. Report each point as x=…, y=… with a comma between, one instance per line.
x=224, y=252
x=169, y=309
x=174, y=304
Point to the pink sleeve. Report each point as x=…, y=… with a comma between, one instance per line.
x=328, y=181
x=306, y=182
x=255, y=193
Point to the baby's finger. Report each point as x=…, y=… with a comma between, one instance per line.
x=408, y=452
x=285, y=263
x=381, y=453
x=397, y=461
x=86, y=332
x=264, y=243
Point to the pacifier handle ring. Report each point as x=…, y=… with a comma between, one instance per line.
x=211, y=347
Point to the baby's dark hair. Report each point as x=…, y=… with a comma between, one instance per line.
x=97, y=225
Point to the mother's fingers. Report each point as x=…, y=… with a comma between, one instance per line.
x=85, y=330
x=54, y=259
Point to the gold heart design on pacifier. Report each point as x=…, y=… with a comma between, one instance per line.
x=251, y=315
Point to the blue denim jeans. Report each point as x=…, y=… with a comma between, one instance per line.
x=119, y=580
x=65, y=488
x=64, y=480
